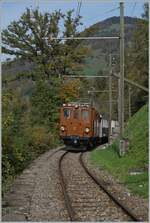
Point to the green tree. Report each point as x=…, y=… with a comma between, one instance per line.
x=12, y=157
x=30, y=38
x=137, y=60
x=31, y=113
x=45, y=101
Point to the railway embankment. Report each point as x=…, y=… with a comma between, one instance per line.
x=36, y=194
x=131, y=170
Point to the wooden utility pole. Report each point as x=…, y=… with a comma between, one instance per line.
x=121, y=89
x=110, y=95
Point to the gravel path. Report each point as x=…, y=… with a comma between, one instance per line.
x=138, y=205
x=36, y=195
x=90, y=203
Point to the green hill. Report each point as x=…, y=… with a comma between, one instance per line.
x=135, y=160
x=137, y=132
x=98, y=61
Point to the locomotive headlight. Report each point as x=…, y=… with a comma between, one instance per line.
x=87, y=130
x=76, y=106
x=62, y=128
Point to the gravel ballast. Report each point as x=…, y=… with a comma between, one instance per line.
x=138, y=205
x=89, y=202
x=36, y=194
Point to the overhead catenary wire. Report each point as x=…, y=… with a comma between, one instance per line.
x=133, y=9
x=78, y=8
x=80, y=4
x=83, y=38
x=114, y=9
x=133, y=83
x=83, y=76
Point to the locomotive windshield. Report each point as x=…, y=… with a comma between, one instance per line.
x=76, y=114
x=67, y=113
x=85, y=115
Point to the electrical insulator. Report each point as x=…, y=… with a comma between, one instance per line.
x=114, y=62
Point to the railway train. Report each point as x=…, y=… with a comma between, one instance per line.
x=81, y=124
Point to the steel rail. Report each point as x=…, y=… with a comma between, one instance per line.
x=56, y=151
x=104, y=91
x=63, y=185
x=102, y=186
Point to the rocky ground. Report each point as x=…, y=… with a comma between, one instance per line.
x=36, y=195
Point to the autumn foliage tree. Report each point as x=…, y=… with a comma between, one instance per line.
x=70, y=90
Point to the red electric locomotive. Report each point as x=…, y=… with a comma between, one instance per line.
x=80, y=124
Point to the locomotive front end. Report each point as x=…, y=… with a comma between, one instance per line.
x=75, y=124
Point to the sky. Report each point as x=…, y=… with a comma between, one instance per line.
x=92, y=11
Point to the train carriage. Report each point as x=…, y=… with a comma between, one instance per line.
x=80, y=124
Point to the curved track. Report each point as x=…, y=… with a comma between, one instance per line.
x=82, y=184
x=66, y=196
x=102, y=186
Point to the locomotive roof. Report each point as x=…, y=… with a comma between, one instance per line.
x=85, y=105
x=73, y=104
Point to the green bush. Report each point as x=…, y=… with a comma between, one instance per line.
x=29, y=128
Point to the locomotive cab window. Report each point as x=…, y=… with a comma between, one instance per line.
x=85, y=115
x=67, y=113
x=76, y=114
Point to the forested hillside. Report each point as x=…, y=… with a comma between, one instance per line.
x=136, y=60
x=98, y=60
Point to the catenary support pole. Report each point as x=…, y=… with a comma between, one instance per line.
x=110, y=96
x=121, y=98
x=129, y=95
x=92, y=96
x=119, y=103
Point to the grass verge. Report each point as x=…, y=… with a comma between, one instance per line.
x=135, y=159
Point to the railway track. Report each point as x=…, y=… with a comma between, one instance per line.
x=86, y=198
x=103, y=187
x=41, y=187
x=69, y=207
